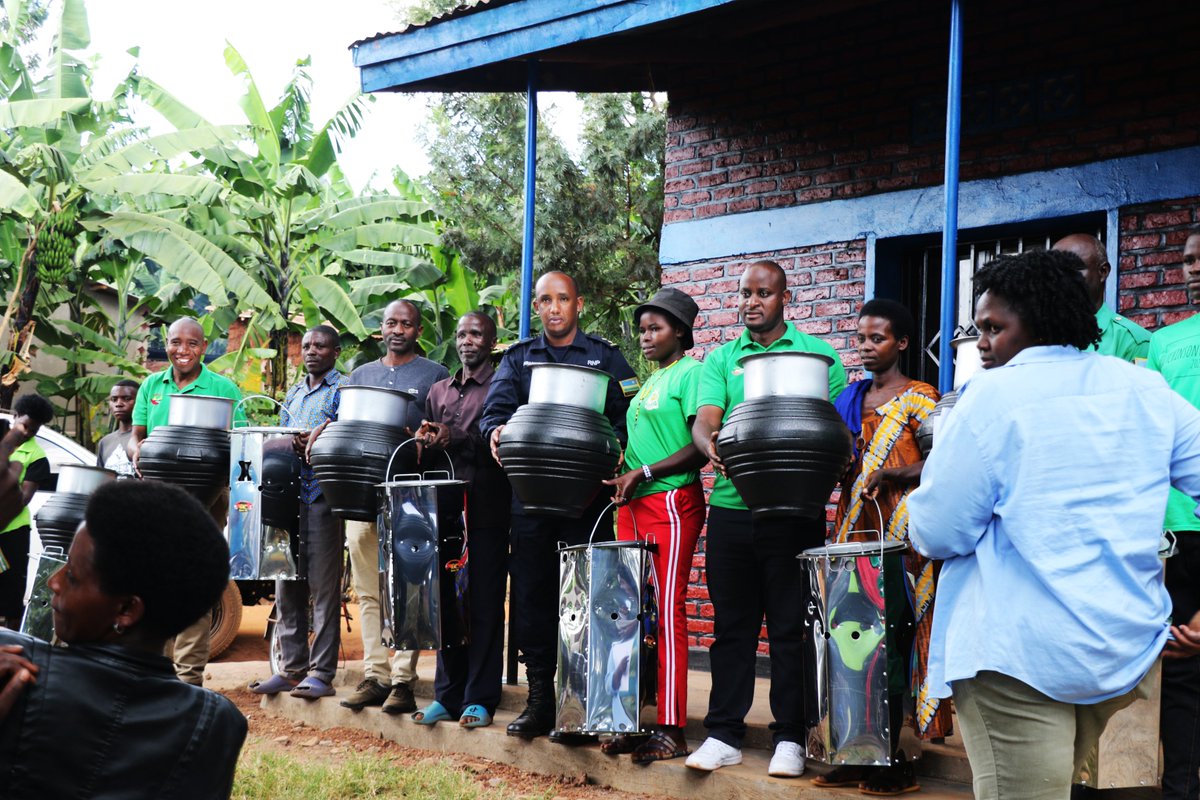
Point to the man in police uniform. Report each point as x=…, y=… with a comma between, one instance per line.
x=186, y=345
x=1118, y=336
x=534, y=565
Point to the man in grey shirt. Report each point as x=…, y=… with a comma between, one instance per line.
x=403, y=370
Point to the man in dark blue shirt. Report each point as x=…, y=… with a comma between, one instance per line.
x=308, y=668
x=534, y=562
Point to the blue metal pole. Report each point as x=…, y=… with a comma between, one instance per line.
x=950, y=228
x=531, y=117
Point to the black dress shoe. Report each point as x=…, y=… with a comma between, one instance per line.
x=571, y=739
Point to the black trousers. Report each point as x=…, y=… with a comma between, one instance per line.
x=1180, y=720
x=535, y=590
x=752, y=572
x=15, y=547
x=472, y=674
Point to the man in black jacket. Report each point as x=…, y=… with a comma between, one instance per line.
x=534, y=562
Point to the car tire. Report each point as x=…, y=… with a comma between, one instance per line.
x=226, y=621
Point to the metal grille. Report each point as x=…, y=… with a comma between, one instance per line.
x=921, y=286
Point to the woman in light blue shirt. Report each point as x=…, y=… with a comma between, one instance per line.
x=1044, y=495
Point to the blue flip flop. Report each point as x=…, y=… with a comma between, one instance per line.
x=311, y=688
x=482, y=717
x=273, y=685
x=431, y=714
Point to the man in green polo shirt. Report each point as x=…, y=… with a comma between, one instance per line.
x=1175, y=352
x=751, y=565
x=187, y=374
x=1118, y=336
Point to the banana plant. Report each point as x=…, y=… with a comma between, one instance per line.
x=68, y=160
x=273, y=228
x=44, y=126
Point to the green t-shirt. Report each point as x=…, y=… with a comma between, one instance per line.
x=1175, y=352
x=657, y=421
x=1120, y=337
x=25, y=455
x=153, y=405
x=722, y=385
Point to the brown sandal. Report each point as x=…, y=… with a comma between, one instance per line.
x=845, y=775
x=891, y=781
x=620, y=744
x=661, y=746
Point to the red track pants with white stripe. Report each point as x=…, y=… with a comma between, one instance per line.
x=672, y=520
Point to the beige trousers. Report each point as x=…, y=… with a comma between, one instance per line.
x=190, y=648
x=1022, y=745
x=363, y=541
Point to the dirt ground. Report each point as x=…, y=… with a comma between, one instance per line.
x=300, y=741
x=297, y=740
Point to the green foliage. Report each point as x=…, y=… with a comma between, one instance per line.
x=51, y=133
x=418, y=12
x=598, y=217
x=103, y=227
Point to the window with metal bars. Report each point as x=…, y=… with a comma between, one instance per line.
x=910, y=270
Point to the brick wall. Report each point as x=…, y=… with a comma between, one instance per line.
x=826, y=281
x=1150, y=272
x=827, y=286
x=844, y=111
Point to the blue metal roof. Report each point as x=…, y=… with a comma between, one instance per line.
x=484, y=48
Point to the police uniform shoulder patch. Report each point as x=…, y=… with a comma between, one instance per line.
x=516, y=347
x=630, y=386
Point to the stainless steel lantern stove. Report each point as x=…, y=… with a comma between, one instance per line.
x=423, y=560
x=857, y=619
x=604, y=604
x=38, y=619
x=264, y=505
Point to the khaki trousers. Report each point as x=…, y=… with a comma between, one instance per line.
x=1022, y=745
x=190, y=648
x=362, y=538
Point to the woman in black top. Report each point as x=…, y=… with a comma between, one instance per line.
x=145, y=563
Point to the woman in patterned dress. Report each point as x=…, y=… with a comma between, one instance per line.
x=884, y=412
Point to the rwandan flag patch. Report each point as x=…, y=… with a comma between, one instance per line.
x=630, y=386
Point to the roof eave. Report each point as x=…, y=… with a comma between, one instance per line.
x=483, y=51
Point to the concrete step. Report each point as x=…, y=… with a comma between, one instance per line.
x=945, y=763
x=746, y=781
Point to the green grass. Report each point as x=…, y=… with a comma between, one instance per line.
x=269, y=775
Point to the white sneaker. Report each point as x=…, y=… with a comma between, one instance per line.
x=788, y=761
x=714, y=754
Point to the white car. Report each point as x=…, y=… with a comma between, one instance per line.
x=60, y=449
